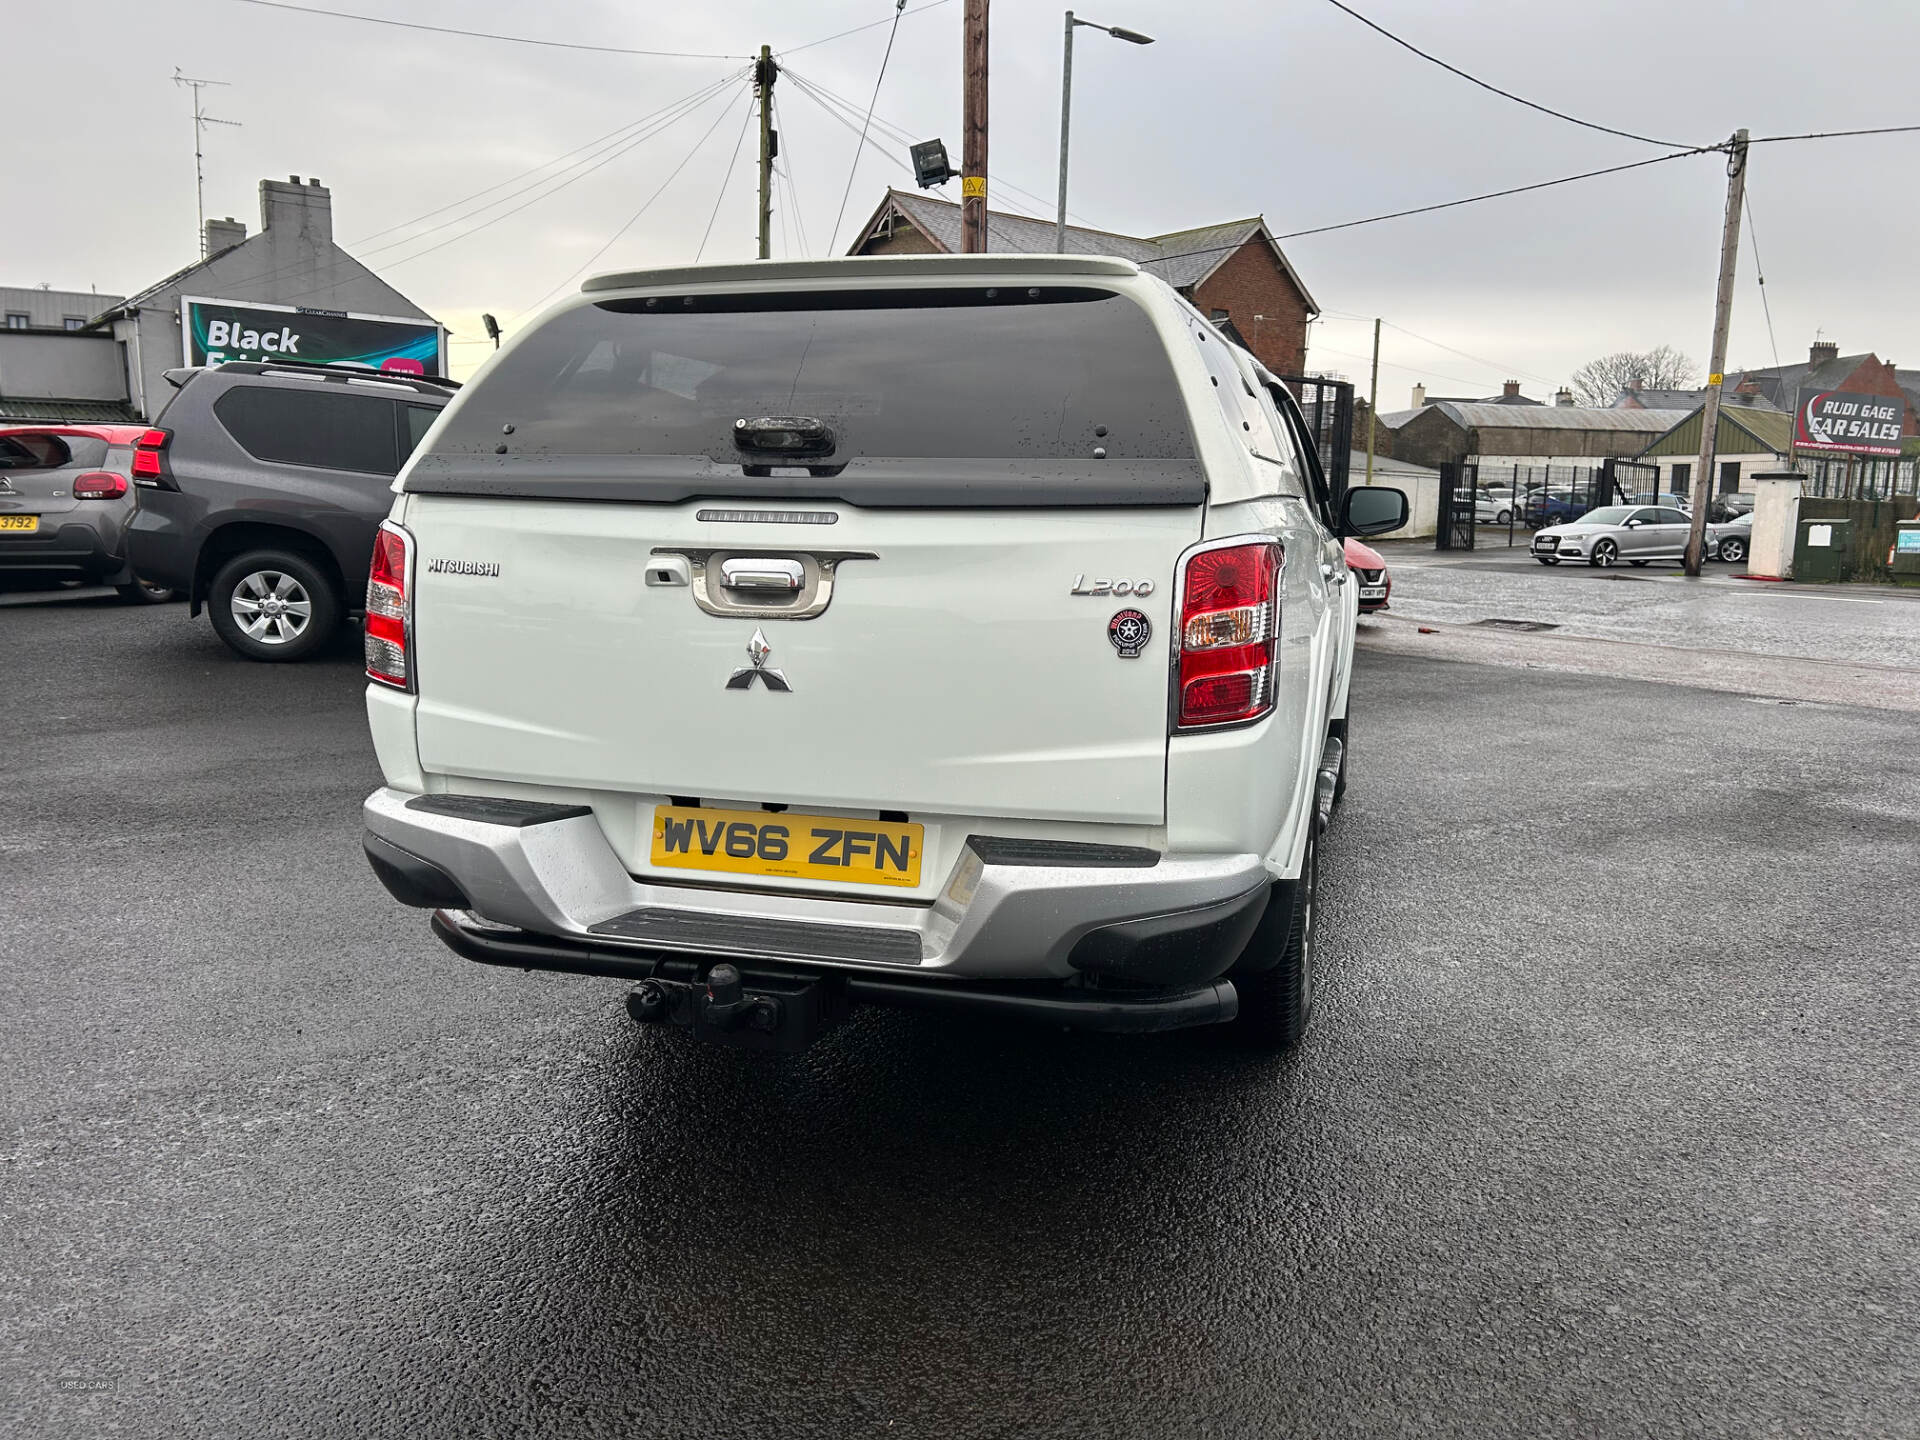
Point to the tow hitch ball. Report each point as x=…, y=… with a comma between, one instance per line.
x=720, y=1002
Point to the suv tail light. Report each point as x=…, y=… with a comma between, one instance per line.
x=150, y=460
x=1227, y=646
x=390, y=608
x=99, y=485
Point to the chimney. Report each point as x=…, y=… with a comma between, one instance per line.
x=1511, y=390
x=287, y=205
x=1821, y=351
x=1563, y=396
x=1419, y=396
x=224, y=233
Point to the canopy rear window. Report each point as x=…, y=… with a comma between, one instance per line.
x=1052, y=394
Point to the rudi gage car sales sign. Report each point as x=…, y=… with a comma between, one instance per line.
x=1846, y=421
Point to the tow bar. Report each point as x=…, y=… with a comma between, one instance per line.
x=779, y=1013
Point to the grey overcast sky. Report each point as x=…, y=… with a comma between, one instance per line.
x=1286, y=108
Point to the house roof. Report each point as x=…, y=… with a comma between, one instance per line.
x=1782, y=384
x=79, y=412
x=1182, y=258
x=1386, y=465
x=1554, y=417
x=1394, y=419
x=1630, y=399
x=1769, y=429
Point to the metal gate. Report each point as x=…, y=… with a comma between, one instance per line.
x=1623, y=480
x=1328, y=406
x=1459, y=487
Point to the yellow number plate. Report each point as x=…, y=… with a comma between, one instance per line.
x=799, y=847
x=19, y=522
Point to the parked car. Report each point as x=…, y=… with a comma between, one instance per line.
x=1731, y=541
x=1366, y=566
x=1492, y=509
x=891, y=693
x=1670, y=500
x=1604, y=537
x=1553, y=507
x=66, y=499
x=1730, y=506
x=262, y=486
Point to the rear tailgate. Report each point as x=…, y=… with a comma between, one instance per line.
x=953, y=672
x=963, y=456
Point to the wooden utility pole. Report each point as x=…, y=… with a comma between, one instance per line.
x=973, y=151
x=1373, y=397
x=764, y=74
x=1702, y=496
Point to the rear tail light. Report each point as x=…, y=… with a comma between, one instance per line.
x=99, y=485
x=1229, y=633
x=150, y=457
x=390, y=608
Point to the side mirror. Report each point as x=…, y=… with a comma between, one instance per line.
x=1373, y=510
x=1633, y=524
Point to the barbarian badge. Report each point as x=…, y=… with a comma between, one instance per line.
x=757, y=651
x=1129, y=631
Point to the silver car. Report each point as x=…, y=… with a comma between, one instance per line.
x=1612, y=533
x=1732, y=540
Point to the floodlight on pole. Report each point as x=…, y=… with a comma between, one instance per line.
x=1119, y=32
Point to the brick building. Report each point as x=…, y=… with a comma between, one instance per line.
x=1235, y=274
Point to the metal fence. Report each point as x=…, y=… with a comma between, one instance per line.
x=1848, y=477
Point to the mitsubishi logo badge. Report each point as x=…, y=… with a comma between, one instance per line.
x=758, y=650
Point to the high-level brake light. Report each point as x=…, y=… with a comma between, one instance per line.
x=149, y=458
x=389, y=609
x=1229, y=633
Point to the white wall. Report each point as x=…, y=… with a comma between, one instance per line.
x=60, y=367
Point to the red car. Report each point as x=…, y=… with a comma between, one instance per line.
x=66, y=499
x=1371, y=573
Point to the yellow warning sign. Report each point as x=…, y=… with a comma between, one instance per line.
x=973, y=187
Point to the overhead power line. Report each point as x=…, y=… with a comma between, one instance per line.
x=1835, y=134
x=491, y=35
x=631, y=220
x=870, y=25
x=1760, y=274
x=732, y=161
x=899, y=9
x=614, y=135
x=1495, y=89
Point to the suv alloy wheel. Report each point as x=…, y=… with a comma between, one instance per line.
x=273, y=605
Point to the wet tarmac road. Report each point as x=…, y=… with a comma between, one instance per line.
x=1587, y=1140
x=1867, y=623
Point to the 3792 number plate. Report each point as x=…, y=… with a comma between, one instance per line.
x=19, y=522
x=799, y=847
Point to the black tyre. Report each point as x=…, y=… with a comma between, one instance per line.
x=138, y=592
x=1605, y=554
x=1548, y=559
x=1733, y=551
x=1505, y=517
x=1274, y=975
x=1339, y=730
x=273, y=605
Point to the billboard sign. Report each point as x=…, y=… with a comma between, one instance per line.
x=1848, y=422
x=215, y=330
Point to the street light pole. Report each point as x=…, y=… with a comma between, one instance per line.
x=1119, y=32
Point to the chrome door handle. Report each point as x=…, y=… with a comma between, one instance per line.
x=778, y=576
x=1338, y=577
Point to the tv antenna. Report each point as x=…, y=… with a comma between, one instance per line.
x=200, y=122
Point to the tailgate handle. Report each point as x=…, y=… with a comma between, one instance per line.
x=777, y=576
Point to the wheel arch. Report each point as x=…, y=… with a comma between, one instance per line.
x=237, y=537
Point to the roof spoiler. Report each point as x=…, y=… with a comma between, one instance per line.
x=180, y=375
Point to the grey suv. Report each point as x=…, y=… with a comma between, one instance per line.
x=262, y=485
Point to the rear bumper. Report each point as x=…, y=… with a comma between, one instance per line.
x=1077, y=1005
x=67, y=548
x=1016, y=911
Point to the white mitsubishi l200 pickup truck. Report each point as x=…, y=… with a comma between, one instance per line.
x=956, y=632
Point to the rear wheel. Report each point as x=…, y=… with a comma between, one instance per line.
x=1604, y=554
x=273, y=605
x=1733, y=551
x=139, y=592
x=1276, y=988
x=1548, y=559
